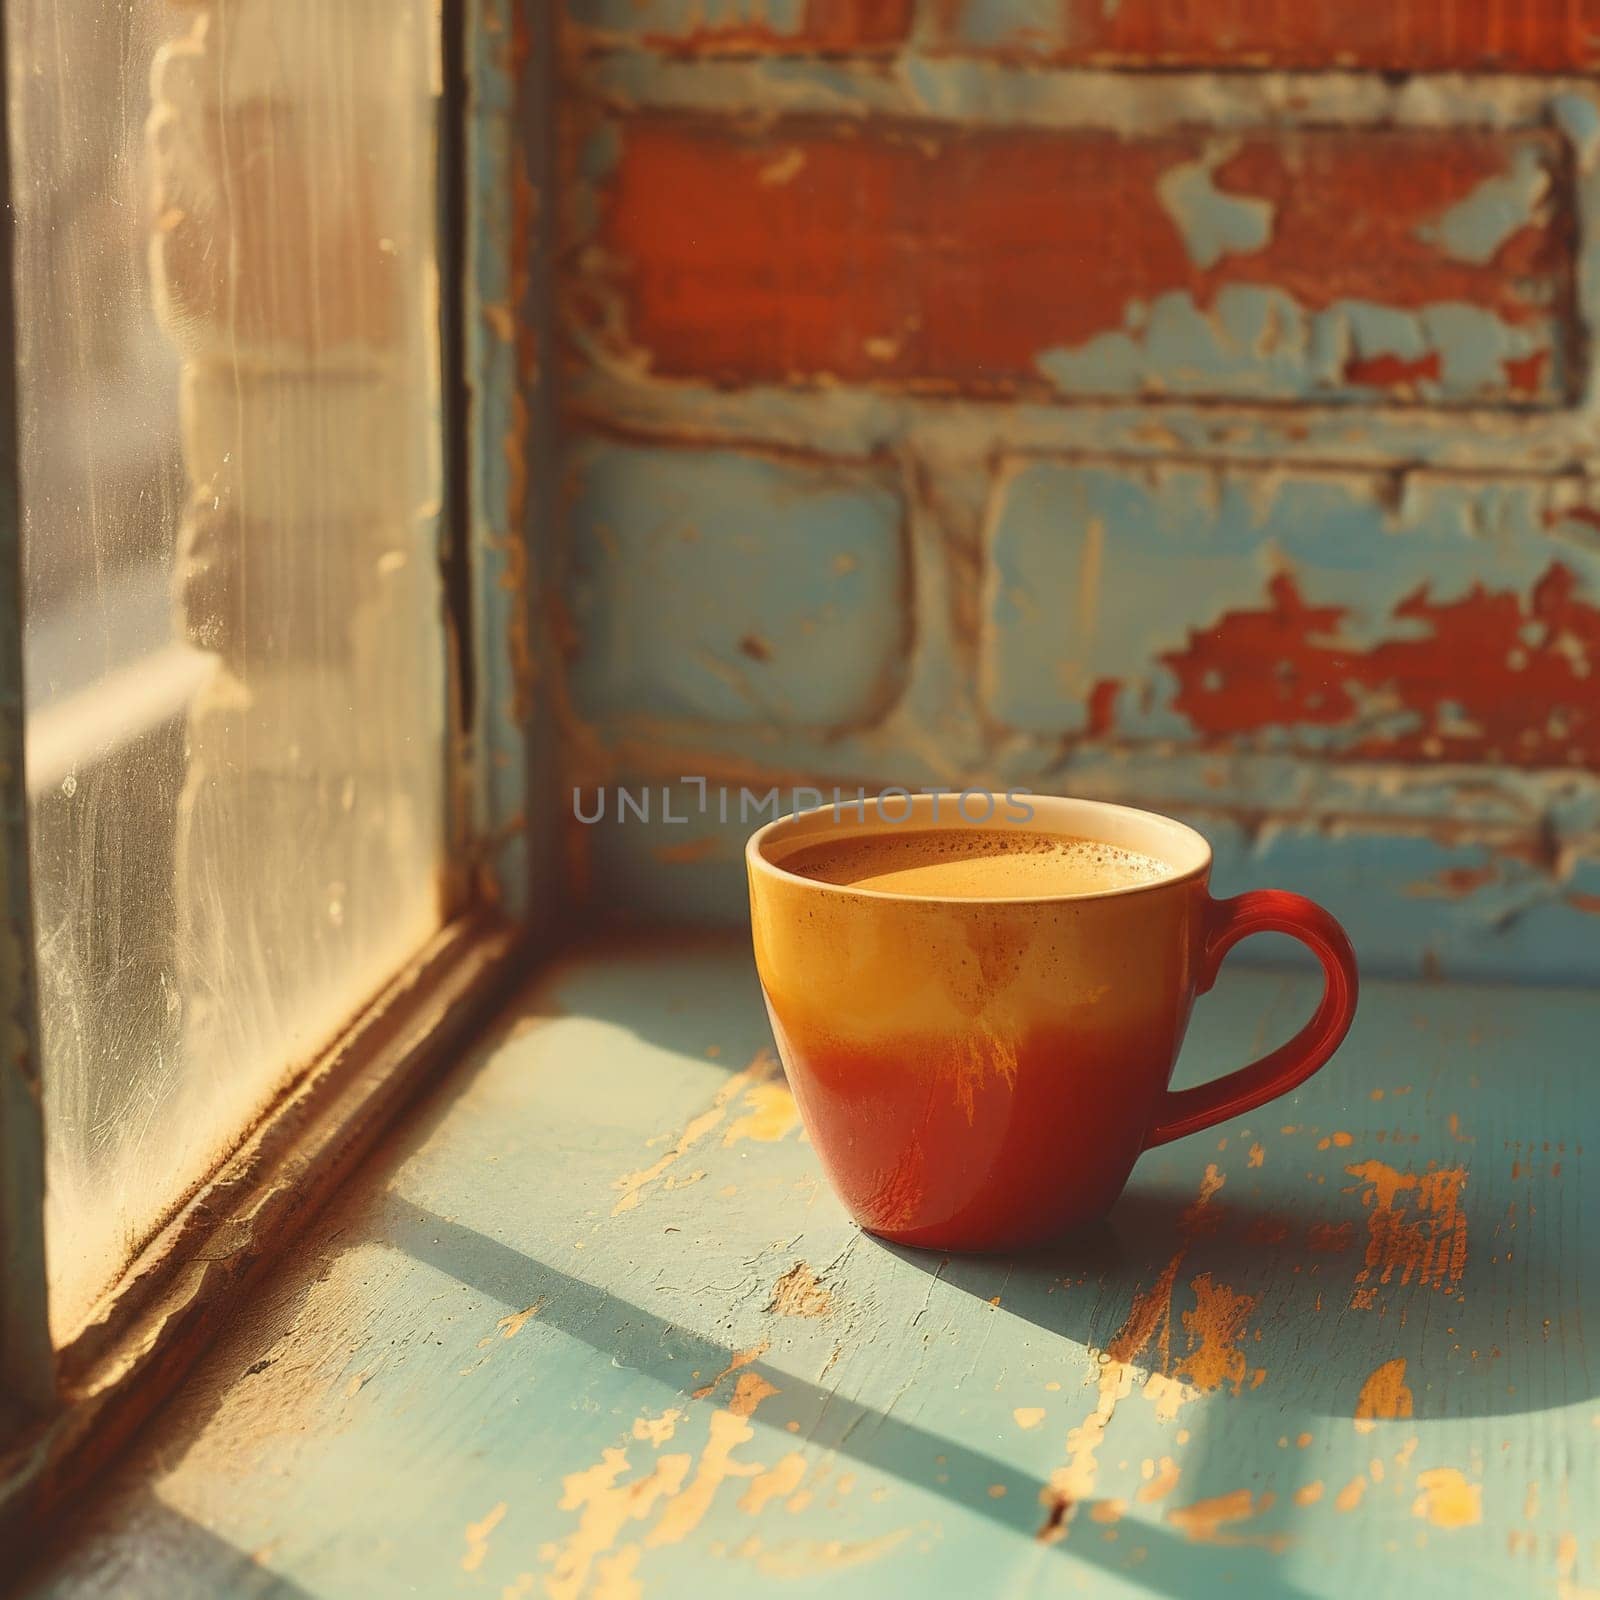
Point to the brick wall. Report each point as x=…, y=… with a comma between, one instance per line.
x=946, y=402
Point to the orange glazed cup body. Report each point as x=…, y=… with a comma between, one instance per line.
x=983, y=1074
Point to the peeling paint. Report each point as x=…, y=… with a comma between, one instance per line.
x=1415, y=1227
x=1162, y=1482
x=1384, y=1395
x=770, y=1115
x=1349, y=1497
x=1216, y=1328
x=657, y=1430
x=776, y=1484
x=1210, y=1521
x=1149, y=1320
x=1477, y=227
x=636, y=1185
x=1458, y=678
x=799, y=1294
x=678, y=1490
x=730, y=1427
x=1213, y=222
x=1264, y=241
x=607, y=1506
x=478, y=1538
x=1446, y=1499
x=510, y=1326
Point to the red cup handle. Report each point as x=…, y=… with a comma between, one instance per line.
x=1227, y=922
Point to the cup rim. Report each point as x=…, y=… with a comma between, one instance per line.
x=1190, y=843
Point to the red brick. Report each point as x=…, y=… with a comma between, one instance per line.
x=1396, y=35
x=1275, y=667
x=830, y=27
x=951, y=259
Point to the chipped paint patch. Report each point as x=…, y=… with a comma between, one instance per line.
x=1210, y=1521
x=1415, y=1227
x=1416, y=621
x=1163, y=1480
x=1028, y=1416
x=1308, y=1494
x=1213, y=222
x=1075, y=1481
x=509, y=1327
x=656, y=1430
x=1384, y=1395
x=739, y=1358
x=478, y=1538
x=636, y=1185
x=770, y=1115
x=1168, y=1395
x=798, y=1294
x=678, y=1490
x=1349, y=1497
x=1454, y=678
x=1446, y=1499
x=1216, y=1329
x=1149, y=1320
x=730, y=1427
x=606, y=1507
x=1251, y=269
x=781, y=1481
x=1476, y=228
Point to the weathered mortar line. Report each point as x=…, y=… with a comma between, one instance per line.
x=1370, y=438
x=919, y=87
x=619, y=430
x=993, y=446
x=1539, y=842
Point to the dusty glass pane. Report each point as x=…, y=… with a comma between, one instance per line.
x=228, y=368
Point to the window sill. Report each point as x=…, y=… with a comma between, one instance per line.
x=591, y=1317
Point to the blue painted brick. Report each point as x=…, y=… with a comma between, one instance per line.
x=1098, y=571
x=732, y=588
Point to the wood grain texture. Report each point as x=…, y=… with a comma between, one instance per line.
x=592, y=1323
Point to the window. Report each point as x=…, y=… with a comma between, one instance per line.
x=229, y=375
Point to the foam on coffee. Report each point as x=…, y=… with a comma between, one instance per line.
x=974, y=864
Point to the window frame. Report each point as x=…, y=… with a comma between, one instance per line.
x=64, y=1411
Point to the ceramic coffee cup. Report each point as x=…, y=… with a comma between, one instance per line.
x=982, y=1074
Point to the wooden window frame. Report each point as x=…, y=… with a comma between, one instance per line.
x=64, y=1412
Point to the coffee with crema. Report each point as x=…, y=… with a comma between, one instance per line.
x=968, y=863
